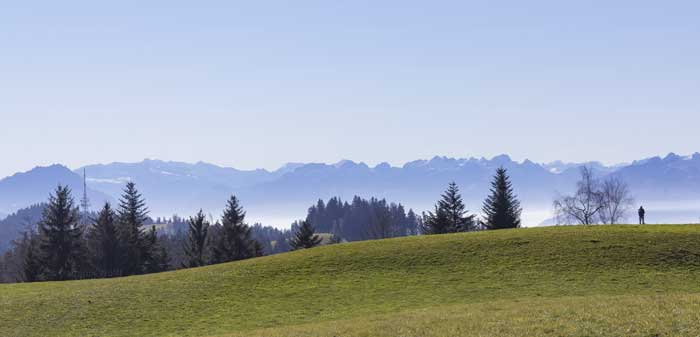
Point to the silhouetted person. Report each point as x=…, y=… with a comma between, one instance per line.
x=641, y=215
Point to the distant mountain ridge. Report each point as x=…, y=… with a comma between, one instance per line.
x=276, y=197
x=34, y=186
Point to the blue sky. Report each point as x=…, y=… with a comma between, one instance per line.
x=260, y=83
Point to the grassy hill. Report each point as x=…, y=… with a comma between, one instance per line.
x=563, y=281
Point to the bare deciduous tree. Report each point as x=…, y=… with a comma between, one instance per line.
x=584, y=205
x=616, y=200
x=594, y=201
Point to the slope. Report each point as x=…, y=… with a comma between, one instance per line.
x=606, y=280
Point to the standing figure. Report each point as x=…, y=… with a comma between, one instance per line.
x=641, y=215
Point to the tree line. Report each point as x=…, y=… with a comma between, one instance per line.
x=119, y=241
x=362, y=219
x=115, y=244
x=125, y=241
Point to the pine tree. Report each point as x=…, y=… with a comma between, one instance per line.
x=282, y=243
x=450, y=215
x=305, y=237
x=381, y=224
x=196, y=241
x=435, y=223
x=412, y=223
x=258, y=248
x=31, y=265
x=60, y=248
x=501, y=207
x=235, y=241
x=132, y=216
x=103, y=243
x=156, y=257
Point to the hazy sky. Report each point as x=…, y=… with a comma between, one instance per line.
x=261, y=83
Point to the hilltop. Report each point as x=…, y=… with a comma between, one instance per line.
x=598, y=280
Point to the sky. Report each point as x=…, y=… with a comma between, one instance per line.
x=257, y=84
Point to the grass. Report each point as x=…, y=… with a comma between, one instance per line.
x=632, y=315
x=561, y=281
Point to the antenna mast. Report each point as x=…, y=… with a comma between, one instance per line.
x=85, y=202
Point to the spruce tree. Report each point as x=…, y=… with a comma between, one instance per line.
x=103, y=243
x=412, y=223
x=61, y=248
x=305, y=237
x=156, y=257
x=258, y=248
x=234, y=241
x=31, y=264
x=435, y=223
x=501, y=207
x=133, y=214
x=450, y=215
x=195, y=246
x=282, y=243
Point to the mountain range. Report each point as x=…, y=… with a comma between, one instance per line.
x=27, y=188
x=669, y=185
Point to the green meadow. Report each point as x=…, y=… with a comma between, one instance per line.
x=559, y=281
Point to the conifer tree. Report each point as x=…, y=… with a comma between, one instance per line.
x=156, y=257
x=133, y=214
x=435, y=223
x=31, y=265
x=412, y=221
x=195, y=246
x=234, y=241
x=258, y=248
x=60, y=248
x=282, y=243
x=305, y=237
x=103, y=243
x=382, y=224
x=450, y=215
x=501, y=208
